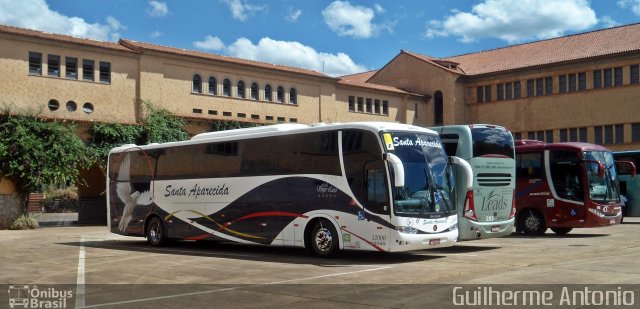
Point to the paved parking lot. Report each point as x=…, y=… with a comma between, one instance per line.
x=107, y=270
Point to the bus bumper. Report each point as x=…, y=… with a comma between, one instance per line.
x=470, y=230
x=411, y=242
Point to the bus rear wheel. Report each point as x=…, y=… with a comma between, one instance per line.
x=155, y=232
x=533, y=223
x=561, y=230
x=324, y=239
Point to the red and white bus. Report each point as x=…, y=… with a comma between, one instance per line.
x=564, y=186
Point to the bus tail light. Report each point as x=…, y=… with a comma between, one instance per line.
x=513, y=206
x=469, y=208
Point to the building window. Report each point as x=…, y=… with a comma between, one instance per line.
x=500, y=92
x=583, y=135
x=573, y=134
x=71, y=68
x=293, y=96
x=530, y=87
x=415, y=111
x=619, y=128
x=608, y=78
x=480, y=94
x=582, y=81
x=549, y=136
x=635, y=132
x=281, y=119
x=635, y=74
x=517, y=91
x=71, y=106
x=53, y=105
x=268, y=93
x=572, y=83
x=87, y=108
x=368, y=105
x=548, y=86
x=197, y=84
x=268, y=117
x=280, y=94
x=35, y=63
x=53, y=65
x=360, y=104
x=531, y=135
x=563, y=135
x=213, y=86
x=562, y=84
x=608, y=135
x=87, y=70
x=376, y=106
x=508, y=91
x=352, y=103
x=597, y=79
x=105, y=72
x=617, y=72
x=517, y=136
x=226, y=114
x=254, y=91
x=438, y=108
x=385, y=107
x=240, y=89
x=226, y=87
x=597, y=133
x=487, y=93
x=539, y=87
x=540, y=135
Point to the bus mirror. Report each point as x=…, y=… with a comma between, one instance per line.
x=467, y=170
x=626, y=168
x=398, y=169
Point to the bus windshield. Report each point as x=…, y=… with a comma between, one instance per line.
x=492, y=141
x=428, y=177
x=602, y=189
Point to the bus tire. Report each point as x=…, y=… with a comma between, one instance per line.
x=533, y=223
x=561, y=230
x=155, y=232
x=323, y=239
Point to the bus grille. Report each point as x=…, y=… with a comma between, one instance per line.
x=493, y=179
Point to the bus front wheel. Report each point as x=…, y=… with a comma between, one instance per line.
x=324, y=239
x=561, y=230
x=533, y=223
x=155, y=232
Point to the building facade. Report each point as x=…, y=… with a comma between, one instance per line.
x=582, y=87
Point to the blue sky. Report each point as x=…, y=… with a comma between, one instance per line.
x=339, y=37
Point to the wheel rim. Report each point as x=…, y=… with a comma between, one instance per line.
x=532, y=223
x=323, y=239
x=154, y=232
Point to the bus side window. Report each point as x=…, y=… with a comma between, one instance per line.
x=529, y=165
x=450, y=143
x=376, y=188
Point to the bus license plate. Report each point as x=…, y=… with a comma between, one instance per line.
x=613, y=221
x=434, y=242
x=495, y=229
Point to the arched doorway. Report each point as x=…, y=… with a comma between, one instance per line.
x=438, y=117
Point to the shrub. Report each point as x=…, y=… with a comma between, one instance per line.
x=24, y=222
x=60, y=199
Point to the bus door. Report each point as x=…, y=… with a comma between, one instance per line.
x=565, y=175
x=377, y=202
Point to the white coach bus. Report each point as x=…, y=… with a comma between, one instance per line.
x=358, y=186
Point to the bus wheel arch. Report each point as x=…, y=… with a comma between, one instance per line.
x=155, y=231
x=531, y=221
x=314, y=237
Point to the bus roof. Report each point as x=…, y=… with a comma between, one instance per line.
x=280, y=129
x=532, y=145
x=627, y=153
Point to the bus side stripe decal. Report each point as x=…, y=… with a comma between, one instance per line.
x=268, y=214
x=218, y=224
x=370, y=243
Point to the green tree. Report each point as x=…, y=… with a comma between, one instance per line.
x=160, y=126
x=106, y=136
x=35, y=152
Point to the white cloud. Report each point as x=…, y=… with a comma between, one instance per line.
x=608, y=22
x=633, y=4
x=516, y=20
x=209, y=43
x=241, y=9
x=297, y=55
x=156, y=34
x=36, y=14
x=356, y=21
x=157, y=9
x=293, y=15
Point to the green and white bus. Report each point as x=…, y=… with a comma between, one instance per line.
x=488, y=210
x=629, y=183
x=358, y=186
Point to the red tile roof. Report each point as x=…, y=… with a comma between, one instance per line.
x=612, y=41
x=360, y=80
x=62, y=38
x=141, y=46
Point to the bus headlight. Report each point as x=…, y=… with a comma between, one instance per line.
x=407, y=230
